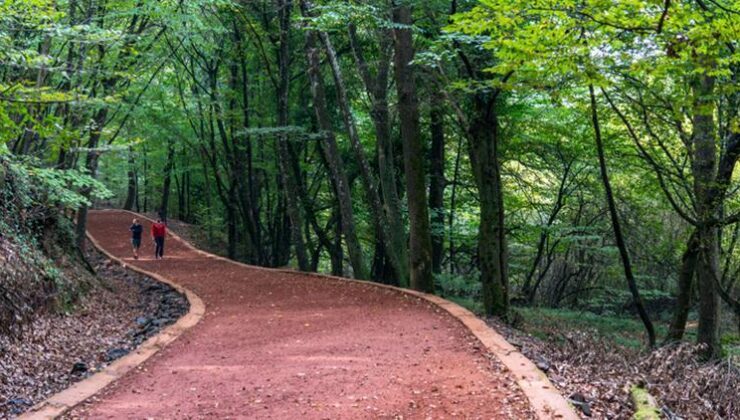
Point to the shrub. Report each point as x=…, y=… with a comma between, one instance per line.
x=36, y=239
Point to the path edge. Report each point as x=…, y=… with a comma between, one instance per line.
x=543, y=396
x=62, y=402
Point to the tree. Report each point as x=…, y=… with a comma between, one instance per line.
x=333, y=158
x=616, y=224
x=678, y=68
x=420, y=238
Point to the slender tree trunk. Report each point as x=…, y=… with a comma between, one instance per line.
x=208, y=199
x=408, y=107
x=188, y=217
x=380, y=222
x=145, y=170
x=377, y=89
x=337, y=252
x=91, y=165
x=333, y=157
x=437, y=181
x=138, y=196
x=529, y=290
x=452, y=266
x=396, y=232
x=683, y=299
x=231, y=233
x=251, y=198
x=289, y=182
x=167, y=185
x=616, y=225
x=181, y=187
x=131, y=174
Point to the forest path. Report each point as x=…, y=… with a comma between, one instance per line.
x=281, y=345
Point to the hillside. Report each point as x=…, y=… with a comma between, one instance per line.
x=41, y=269
x=64, y=315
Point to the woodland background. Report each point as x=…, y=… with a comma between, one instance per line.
x=561, y=162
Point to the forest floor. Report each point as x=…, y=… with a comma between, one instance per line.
x=280, y=345
x=58, y=349
x=594, y=360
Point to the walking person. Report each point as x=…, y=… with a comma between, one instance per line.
x=136, y=231
x=159, y=231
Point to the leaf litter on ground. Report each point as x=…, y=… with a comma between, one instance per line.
x=57, y=349
x=596, y=375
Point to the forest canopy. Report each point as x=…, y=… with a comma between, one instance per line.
x=503, y=153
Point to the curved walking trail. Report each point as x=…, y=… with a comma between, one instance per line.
x=281, y=345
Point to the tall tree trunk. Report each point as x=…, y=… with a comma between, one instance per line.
x=377, y=89
x=333, y=156
x=451, y=263
x=437, y=181
x=408, y=108
x=131, y=174
x=529, y=289
x=253, y=218
x=337, y=253
x=284, y=8
x=616, y=225
x=167, y=185
x=704, y=170
x=208, y=198
x=138, y=196
x=483, y=139
x=231, y=234
x=381, y=225
x=181, y=186
x=91, y=165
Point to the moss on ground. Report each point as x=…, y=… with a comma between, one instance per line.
x=645, y=408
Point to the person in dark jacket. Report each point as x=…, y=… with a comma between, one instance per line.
x=136, y=231
x=159, y=231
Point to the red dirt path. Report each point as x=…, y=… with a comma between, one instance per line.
x=277, y=345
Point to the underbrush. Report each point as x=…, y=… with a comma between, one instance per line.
x=41, y=269
x=598, y=357
x=595, y=354
x=587, y=366
x=628, y=333
x=463, y=290
x=625, y=332
x=608, y=314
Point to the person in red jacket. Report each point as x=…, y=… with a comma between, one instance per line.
x=159, y=231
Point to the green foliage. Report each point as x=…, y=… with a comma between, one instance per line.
x=193, y=88
x=64, y=187
x=551, y=323
x=336, y=15
x=467, y=287
x=618, y=302
x=33, y=235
